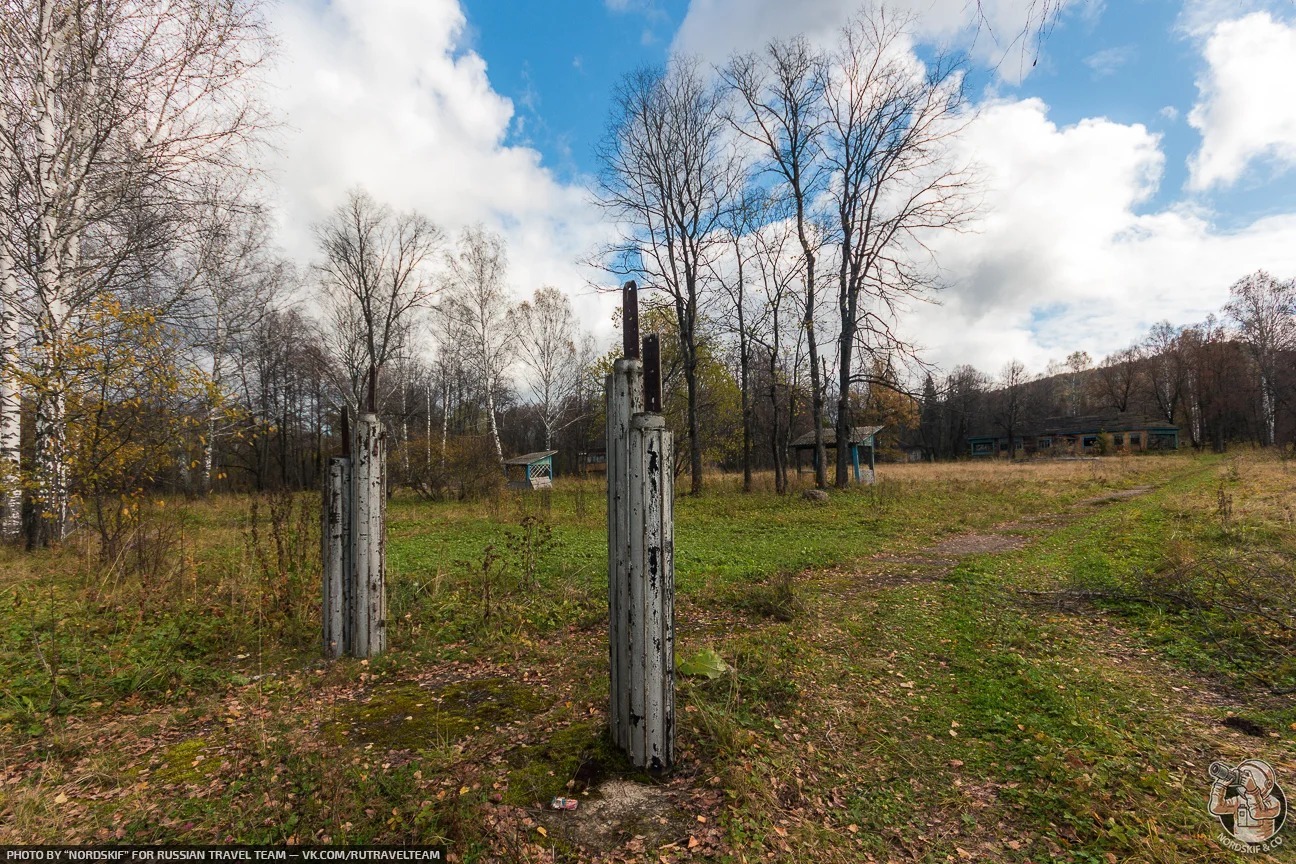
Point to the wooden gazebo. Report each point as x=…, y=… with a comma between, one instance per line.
x=860, y=437
x=530, y=470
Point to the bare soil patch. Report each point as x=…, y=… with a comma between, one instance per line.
x=618, y=812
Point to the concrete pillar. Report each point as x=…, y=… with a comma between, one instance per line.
x=336, y=535
x=368, y=606
x=624, y=400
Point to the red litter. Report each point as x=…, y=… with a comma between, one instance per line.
x=564, y=803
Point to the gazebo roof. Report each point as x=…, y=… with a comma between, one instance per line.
x=859, y=435
x=529, y=458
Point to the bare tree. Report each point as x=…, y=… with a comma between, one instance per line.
x=554, y=366
x=782, y=91
x=115, y=111
x=477, y=303
x=375, y=275
x=1117, y=376
x=890, y=124
x=741, y=222
x=1163, y=368
x=667, y=175
x=1264, y=310
x=237, y=278
x=779, y=274
x=1034, y=21
x=1077, y=363
x=1014, y=406
x=964, y=390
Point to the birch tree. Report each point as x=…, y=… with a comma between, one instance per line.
x=553, y=366
x=116, y=111
x=477, y=302
x=237, y=278
x=10, y=392
x=1264, y=310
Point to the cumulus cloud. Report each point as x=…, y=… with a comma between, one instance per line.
x=1064, y=259
x=999, y=32
x=385, y=94
x=389, y=95
x=1246, y=108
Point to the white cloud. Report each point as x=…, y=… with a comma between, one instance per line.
x=1001, y=35
x=1246, y=107
x=1169, y=112
x=1198, y=18
x=1062, y=259
x=383, y=94
x=1109, y=60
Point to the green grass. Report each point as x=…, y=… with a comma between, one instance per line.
x=924, y=718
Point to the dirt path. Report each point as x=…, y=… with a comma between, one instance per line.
x=1210, y=717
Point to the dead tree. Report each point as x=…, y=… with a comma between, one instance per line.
x=668, y=172
x=890, y=125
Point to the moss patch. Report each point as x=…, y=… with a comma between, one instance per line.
x=581, y=754
x=186, y=762
x=405, y=716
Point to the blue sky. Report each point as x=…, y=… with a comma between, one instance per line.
x=1130, y=63
x=1134, y=171
x=556, y=61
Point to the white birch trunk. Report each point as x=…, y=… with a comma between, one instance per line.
x=404, y=427
x=445, y=417
x=1269, y=408
x=209, y=444
x=494, y=426
x=50, y=494
x=10, y=391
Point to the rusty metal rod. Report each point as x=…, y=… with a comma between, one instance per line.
x=652, y=374
x=630, y=319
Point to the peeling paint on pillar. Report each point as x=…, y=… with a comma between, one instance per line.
x=624, y=399
x=337, y=557
x=651, y=453
x=368, y=601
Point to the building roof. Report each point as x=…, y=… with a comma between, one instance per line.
x=529, y=458
x=1085, y=424
x=1110, y=422
x=859, y=435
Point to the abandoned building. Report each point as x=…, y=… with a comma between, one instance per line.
x=1078, y=436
